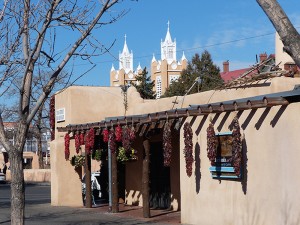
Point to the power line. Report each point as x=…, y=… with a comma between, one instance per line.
x=187, y=49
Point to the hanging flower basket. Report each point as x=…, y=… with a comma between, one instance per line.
x=97, y=155
x=125, y=155
x=77, y=161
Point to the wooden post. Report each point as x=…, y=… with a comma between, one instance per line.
x=114, y=178
x=88, y=191
x=145, y=179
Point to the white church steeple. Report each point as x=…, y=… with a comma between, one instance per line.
x=126, y=59
x=168, y=47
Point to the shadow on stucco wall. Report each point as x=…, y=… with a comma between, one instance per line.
x=197, y=167
x=278, y=115
x=244, y=165
x=262, y=118
x=204, y=118
x=248, y=119
x=225, y=117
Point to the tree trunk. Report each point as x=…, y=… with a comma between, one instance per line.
x=287, y=32
x=40, y=151
x=88, y=191
x=114, y=178
x=39, y=136
x=145, y=179
x=17, y=187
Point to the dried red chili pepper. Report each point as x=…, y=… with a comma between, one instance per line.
x=118, y=133
x=87, y=144
x=105, y=134
x=91, y=138
x=132, y=134
x=211, y=144
x=112, y=141
x=188, y=148
x=77, y=143
x=125, y=139
x=236, y=147
x=167, y=145
x=67, y=146
x=81, y=137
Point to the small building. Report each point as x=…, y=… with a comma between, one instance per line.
x=262, y=191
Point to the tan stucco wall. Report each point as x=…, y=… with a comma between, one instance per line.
x=65, y=180
x=271, y=142
x=272, y=173
x=33, y=175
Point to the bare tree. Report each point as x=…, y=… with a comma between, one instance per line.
x=33, y=38
x=287, y=32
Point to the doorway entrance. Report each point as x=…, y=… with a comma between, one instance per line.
x=160, y=190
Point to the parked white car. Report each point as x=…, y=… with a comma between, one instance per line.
x=2, y=178
x=95, y=186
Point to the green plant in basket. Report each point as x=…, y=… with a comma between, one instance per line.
x=97, y=154
x=77, y=160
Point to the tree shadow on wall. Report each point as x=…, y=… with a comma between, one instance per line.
x=197, y=167
x=244, y=166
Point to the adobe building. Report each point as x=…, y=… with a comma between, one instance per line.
x=270, y=144
x=233, y=153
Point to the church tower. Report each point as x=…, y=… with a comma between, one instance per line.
x=125, y=75
x=167, y=69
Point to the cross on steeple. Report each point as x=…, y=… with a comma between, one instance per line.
x=168, y=24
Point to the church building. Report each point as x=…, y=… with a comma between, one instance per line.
x=163, y=71
x=167, y=69
x=125, y=75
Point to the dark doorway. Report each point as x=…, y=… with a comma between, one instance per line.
x=121, y=181
x=160, y=191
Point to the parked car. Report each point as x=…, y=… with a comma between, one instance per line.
x=95, y=186
x=2, y=178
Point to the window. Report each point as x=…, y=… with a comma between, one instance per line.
x=158, y=87
x=173, y=78
x=223, y=168
x=127, y=63
x=170, y=53
x=60, y=115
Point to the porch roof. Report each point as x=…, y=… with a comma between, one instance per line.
x=261, y=101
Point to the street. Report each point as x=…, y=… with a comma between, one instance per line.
x=39, y=211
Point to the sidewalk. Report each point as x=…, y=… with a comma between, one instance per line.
x=136, y=212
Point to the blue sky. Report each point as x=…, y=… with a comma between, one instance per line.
x=230, y=30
